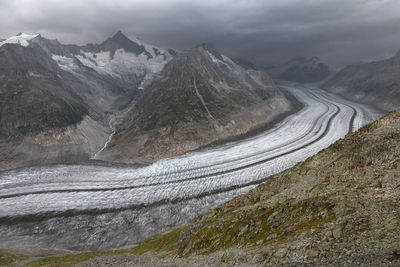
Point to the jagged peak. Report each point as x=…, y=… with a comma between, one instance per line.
x=120, y=40
x=212, y=49
x=119, y=36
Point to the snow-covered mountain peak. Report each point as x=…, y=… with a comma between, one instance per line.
x=21, y=39
x=118, y=57
x=121, y=41
x=120, y=36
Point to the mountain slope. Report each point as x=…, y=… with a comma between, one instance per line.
x=341, y=203
x=376, y=83
x=304, y=70
x=33, y=97
x=199, y=97
x=43, y=115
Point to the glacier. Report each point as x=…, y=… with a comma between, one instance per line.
x=91, y=207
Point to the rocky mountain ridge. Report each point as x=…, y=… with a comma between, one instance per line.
x=375, y=83
x=303, y=70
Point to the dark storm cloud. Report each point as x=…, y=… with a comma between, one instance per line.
x=339, y=31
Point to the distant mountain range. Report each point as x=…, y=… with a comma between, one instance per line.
x=56, y=100
x=303, y=70
x=376, y=83
x=63, y=103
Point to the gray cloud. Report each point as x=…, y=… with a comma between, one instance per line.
x=266, y=32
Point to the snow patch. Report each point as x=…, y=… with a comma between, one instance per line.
x=124, y=63
x=100, y=62
x=218, y=61
x=33, y=74
x=65, y=63
x=21, y=39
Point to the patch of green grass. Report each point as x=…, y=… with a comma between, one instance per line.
x=159, y=242
x=235, y=229
x=7, y=259
x=156, y=243
x=69, y=259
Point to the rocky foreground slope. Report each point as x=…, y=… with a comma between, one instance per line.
x=200, y=96
x=376, y=83
x=341, y=203
x=338, y=208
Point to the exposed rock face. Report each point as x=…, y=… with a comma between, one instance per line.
x=376, y=83
x=120, y=41
x=339, y=206
x=303, y=70
x=199, y=97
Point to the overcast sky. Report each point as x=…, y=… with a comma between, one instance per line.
x=264, y=31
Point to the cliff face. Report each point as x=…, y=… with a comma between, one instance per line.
x=199, y=97
x=376, y=83
x=341, y=203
